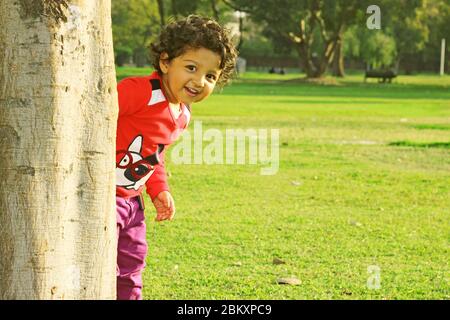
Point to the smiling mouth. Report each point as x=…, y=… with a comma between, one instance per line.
x=191, y=92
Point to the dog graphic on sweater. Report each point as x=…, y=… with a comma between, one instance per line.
x=132, y=170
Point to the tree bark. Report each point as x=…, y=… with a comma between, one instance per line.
x=309, y=63
x=58, y=113
x=338, y=60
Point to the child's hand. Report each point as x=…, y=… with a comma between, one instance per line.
x=164, y=205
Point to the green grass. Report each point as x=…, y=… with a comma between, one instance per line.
x=364, y=180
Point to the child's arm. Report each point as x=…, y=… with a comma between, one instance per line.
x=157, y=182
x=158, y=190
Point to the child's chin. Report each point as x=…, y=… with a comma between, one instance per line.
x=190, y=101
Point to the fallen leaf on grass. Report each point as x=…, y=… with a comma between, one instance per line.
x=296, y=183
x=278, y=261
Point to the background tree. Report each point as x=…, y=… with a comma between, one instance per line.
x=405, y=21
x=438, y=21
x=409, y=39
x=182, y=8
x=135, y=24
x=58, y=113
x=316, y=31
x=161, y=11
x=240, y=13
x=378, y=49
x=314, y=28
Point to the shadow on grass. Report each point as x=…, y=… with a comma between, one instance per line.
x=299, y=101
x=443, y=145
x=344, y=89
x=432, y=126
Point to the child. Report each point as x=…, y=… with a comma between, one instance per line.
x=191, y=56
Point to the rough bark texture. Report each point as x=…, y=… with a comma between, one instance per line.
x=58, y=112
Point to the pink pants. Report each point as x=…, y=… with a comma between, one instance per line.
x=131, y=248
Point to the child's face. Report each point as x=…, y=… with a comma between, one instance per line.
x=190, y=77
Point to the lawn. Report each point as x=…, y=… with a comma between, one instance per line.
x=363, y=184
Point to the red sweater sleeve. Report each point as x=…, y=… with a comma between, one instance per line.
x=158, y=180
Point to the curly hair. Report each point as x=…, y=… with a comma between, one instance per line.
x=195, y=32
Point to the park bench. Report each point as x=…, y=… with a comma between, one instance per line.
x=277, y=70
x=381, y=75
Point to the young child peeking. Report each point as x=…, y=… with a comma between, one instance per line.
x=191, y=57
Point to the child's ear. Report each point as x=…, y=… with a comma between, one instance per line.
x=164, y=62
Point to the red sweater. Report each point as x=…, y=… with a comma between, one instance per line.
x=145, y=124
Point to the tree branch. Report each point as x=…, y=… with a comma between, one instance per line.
x=235, y=7
x=214, y=9
x=316, y=16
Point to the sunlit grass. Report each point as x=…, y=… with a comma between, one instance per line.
x=364, y=180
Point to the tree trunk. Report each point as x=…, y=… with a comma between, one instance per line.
x=241, y=31
x=338, y=61
x=308, y=62
x=161, y=12
x=173, y=8
x=58, y=113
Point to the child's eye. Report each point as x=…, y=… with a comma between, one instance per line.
x=191, y=68
x=212, y=77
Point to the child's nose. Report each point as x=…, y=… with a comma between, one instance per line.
x=200, y=81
